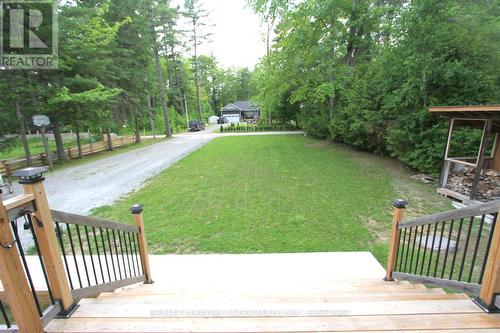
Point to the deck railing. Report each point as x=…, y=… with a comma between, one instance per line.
x=98, y=255
x=60, y=257
x=457, y=249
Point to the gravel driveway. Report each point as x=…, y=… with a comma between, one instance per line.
x=81, y=188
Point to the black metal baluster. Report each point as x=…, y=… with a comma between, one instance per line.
x=425, y=248
x=432, y=250
x=90, y=252
x=402, y=251
x=105, y=255
x=413, y=249
x=408, y=249
x=111, y=253
x=61, y=244
x=83, y=254
x=116, y=253
x=25, y=264
x=74, y=255
x=487, y=252
x=439, y=248
x=131, y=253
x=124, y=236
x=5, y=316
x=121, y=251
x=419, y=247
x=456, y=248
x=98, y=254
x=467, y=239
x=447, y=248
x=476, y=248
x=42, y=265
x=127, y=252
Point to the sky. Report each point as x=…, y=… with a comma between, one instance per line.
x=238, y=35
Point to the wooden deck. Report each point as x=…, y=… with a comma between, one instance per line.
x=327, y=292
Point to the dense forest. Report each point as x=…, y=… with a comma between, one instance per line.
x=364, y=72
x=124, y=65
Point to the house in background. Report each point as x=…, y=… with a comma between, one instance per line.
x=241, y=111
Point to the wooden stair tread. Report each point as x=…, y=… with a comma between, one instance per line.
x=359, y=298
x=266, y=283
x=308, y=295
x=258, y=309
x=291, y=289
x=295, y=324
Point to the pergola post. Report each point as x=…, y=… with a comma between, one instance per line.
x=445, y=172
x=480, y=160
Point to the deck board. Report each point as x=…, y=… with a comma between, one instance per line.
x=296, y=324
x=257, y=309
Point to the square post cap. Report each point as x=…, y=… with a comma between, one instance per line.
x=400, y=203
x=30, y=175
x=136, y=209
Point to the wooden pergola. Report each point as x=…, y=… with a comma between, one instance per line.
x=484, y=117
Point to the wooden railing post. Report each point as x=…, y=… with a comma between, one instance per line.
x=143, y=244
x=16, y=287
x=32, y=181
x=397, y=217
x=490, y=286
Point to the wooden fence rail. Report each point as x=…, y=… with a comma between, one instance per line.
x=8, y=167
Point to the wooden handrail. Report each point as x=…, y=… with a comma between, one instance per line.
x=70, y=218
x=480, y=209
x=18, y=204
x=18, y=201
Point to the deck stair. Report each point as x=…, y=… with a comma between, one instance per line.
x=290, y=306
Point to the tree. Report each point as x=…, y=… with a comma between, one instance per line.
x=194, y=11
x=364, y=72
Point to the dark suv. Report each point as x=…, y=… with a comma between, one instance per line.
x=196, y=125
x=222, y=120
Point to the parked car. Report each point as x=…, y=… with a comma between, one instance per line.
x=196, y=125
x=222, y=120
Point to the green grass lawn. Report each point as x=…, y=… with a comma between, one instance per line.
x=274, y=194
